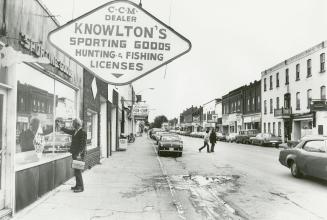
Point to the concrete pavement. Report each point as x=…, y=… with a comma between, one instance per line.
x=124, y=186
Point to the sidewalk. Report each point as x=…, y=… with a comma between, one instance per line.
x=122, y=187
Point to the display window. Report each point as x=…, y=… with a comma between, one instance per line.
x=91, y=129
x=42, y=102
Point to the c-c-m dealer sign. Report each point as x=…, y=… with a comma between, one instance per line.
x=119, y=42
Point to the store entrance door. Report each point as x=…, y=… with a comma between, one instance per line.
x=3, y=141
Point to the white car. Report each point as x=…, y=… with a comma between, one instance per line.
x=231, y=137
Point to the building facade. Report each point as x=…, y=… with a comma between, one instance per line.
x=232, y=111
x=288, y=89
x=219, y=113
x=252, y=106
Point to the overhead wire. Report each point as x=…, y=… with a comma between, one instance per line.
x=170, y=9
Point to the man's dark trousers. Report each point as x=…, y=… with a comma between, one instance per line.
x=212, y=147
x=205, y=144
x=78, y=176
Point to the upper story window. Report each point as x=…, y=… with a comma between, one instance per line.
x=277, y=103
x=277, y=80
x=259, y=103
x=297, y=72
x=264, y=84
x=308, y=67
x=265, y=106
x=309, y=98
x=248, y=105
x=271, y=106
x=323, y=92
x=287, y=77
x=322, y=62
x=270, y=82
x=298, y=104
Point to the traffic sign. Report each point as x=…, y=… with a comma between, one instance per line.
x=119, y=42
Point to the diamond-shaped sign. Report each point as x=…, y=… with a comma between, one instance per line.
x=94, y=88
x=119, y=42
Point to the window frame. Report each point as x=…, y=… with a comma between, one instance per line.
x=298, y=101
x=297, y=72
x=309, y=68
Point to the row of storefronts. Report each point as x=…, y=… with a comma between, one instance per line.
x=35, y=96
x=288, y=101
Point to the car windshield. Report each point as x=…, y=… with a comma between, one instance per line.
x=170, y=138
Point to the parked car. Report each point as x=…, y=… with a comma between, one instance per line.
x=231, y=137
x=221, y=136
x=309, y=157
x=171, y=144
x=158, y=135
x=60, y=144
x=266, y=139
x=245, y=135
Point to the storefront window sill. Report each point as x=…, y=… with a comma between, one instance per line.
x=46, y=158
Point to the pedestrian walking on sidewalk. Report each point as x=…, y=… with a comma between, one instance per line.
x=206, y=142
x=77, y=149
x=213, y=139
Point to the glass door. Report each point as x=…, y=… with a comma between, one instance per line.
x=3, y=142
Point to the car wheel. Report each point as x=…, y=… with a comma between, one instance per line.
x=295, y=170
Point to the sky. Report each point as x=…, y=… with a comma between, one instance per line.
x=232, y=43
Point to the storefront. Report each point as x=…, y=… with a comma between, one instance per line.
x=252, y=122
x=302, y=126
x=34, y=97
x=96, y=108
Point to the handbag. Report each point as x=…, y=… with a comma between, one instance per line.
x=78, y=164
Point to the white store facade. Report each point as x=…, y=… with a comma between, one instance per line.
x=288, y=90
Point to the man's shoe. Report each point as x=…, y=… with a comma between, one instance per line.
x=77, y=190
x=199, y=150
x=73, y=187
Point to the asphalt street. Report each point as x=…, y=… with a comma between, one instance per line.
x=235, y=182
x=241, y=182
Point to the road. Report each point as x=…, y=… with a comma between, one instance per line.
x=239, y=182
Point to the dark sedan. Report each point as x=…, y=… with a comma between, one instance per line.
x=245, y=135
x=266, y=139
x=170, y=144
x=309, y=157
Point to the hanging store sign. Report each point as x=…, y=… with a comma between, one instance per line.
x=140, y=111
x=119, y=42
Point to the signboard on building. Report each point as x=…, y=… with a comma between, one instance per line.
x=140, y=111
x=119, y=42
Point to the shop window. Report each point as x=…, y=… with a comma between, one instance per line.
x=37, y=136
x=92, y=129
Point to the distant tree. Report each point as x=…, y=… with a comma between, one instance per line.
x=158, y=121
